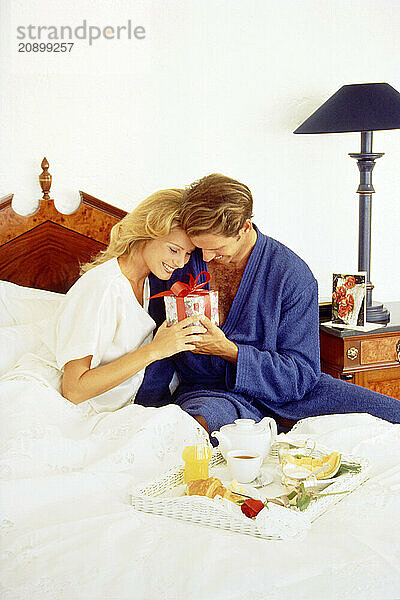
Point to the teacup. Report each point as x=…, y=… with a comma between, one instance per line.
x=244, y=466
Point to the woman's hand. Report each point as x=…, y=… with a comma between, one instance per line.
x=80, y=382
x=177, y=338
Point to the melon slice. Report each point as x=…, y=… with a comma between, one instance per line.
x=332, y=463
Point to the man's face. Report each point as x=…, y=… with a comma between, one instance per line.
x=220, y=249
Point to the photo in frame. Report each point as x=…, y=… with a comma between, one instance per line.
x=348, y=299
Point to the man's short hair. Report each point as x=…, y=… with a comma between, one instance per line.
x=216, y=204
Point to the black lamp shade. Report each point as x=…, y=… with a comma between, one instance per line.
x=356, y=107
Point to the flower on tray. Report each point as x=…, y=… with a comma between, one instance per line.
x=298, y=497
x=251, y=507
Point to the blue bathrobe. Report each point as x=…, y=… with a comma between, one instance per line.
x=274, y=321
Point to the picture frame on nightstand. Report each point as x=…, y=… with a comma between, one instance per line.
x=349, y=299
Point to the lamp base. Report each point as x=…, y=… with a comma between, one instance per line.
x=377, y=313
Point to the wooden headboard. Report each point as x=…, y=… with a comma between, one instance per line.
x=45, y=250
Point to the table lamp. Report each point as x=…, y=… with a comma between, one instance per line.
x=364, y=107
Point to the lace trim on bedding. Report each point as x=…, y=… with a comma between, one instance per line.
x=310, y=420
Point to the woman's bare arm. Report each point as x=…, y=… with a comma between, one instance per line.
x=80, y=382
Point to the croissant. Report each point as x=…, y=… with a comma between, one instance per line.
x=210, y=487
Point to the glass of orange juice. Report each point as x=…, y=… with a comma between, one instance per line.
x=197, y=455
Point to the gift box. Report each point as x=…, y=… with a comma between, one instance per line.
x=178, y=308
x=188, y=299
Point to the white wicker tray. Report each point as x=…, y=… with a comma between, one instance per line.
x=165, y=496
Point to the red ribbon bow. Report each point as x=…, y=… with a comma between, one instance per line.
x=181, y=289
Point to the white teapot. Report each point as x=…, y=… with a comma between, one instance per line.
x=247, y=435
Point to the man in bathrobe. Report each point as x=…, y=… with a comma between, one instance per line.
x=264, y=358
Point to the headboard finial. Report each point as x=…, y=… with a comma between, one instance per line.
x=45, y=179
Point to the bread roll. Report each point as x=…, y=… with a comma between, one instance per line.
x=210, y=488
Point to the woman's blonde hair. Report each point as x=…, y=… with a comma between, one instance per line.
x=151, y=219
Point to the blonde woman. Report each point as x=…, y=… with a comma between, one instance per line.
x=104, y=336
x=70, y=404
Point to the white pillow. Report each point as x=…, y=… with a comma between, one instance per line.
x=20, y=305
x=15, y=341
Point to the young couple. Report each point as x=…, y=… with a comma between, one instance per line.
x=262, y=360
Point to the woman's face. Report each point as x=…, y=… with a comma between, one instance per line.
x=163, y=255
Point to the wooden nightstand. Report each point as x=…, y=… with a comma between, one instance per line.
x=370, y=359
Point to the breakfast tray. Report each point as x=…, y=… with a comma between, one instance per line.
x=165, y=496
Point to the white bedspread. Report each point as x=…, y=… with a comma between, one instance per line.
x=69, y=533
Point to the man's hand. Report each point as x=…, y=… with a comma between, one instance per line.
x=213, y=341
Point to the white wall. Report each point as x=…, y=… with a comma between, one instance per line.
x=216, y=85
